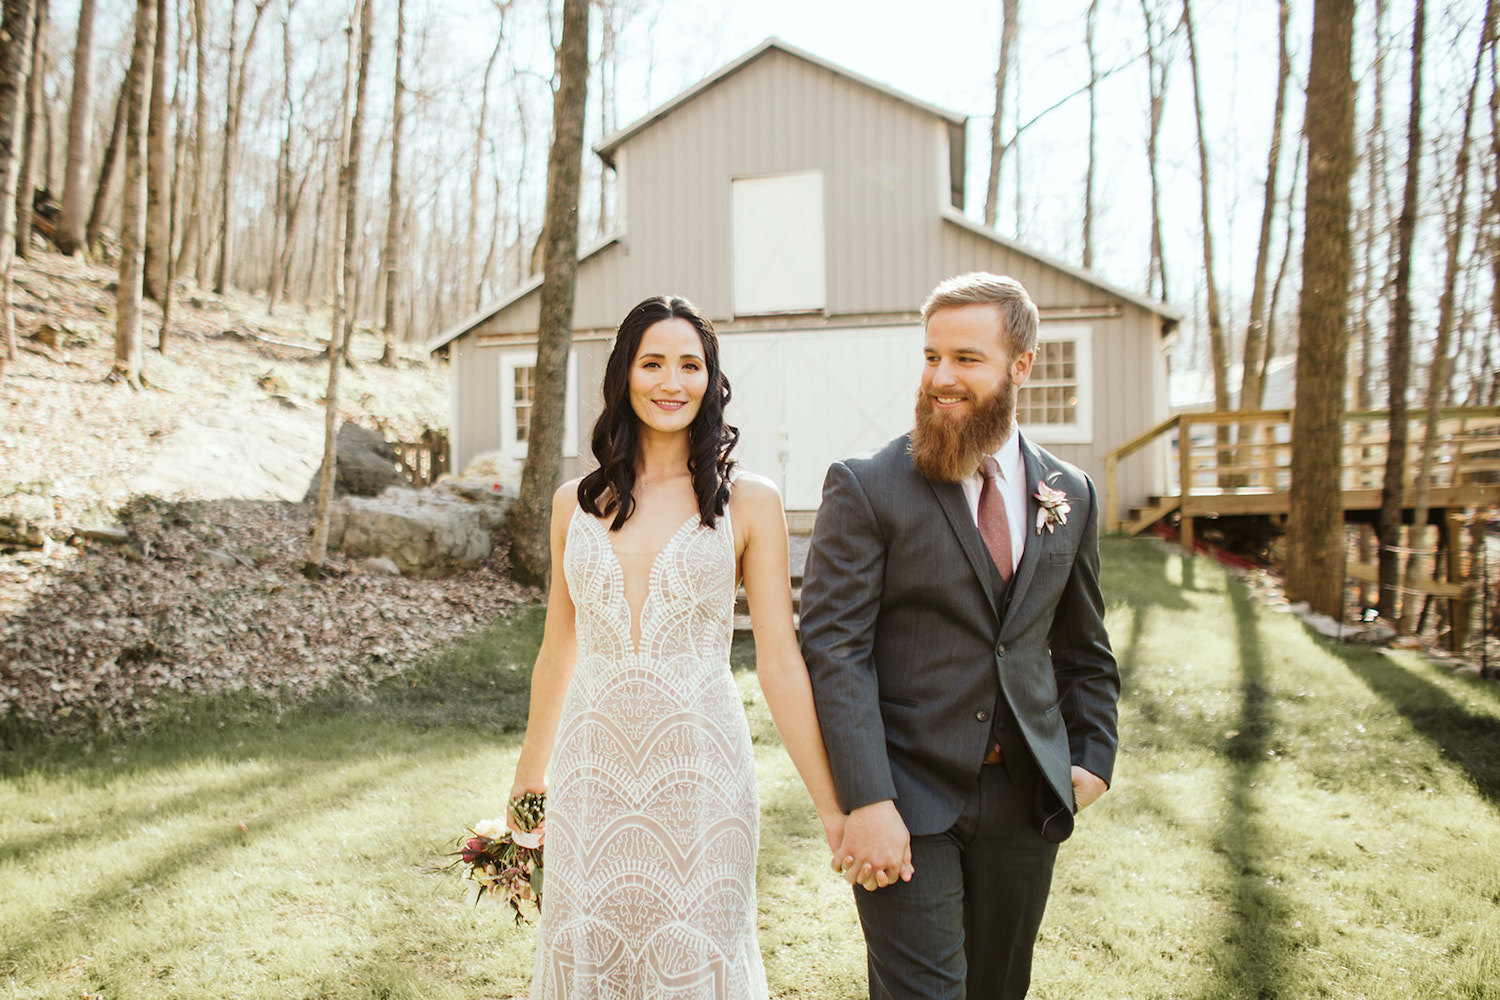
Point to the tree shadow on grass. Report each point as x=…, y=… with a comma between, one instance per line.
x=304, y=787
x=1258, y=949
x=1469, y=739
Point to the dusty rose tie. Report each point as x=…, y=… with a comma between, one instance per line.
x=994, y=526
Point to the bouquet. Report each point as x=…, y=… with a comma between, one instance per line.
x=507, y=865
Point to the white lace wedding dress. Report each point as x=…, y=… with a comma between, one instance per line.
x=652, y=815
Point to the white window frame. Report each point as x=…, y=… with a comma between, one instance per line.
x=1081, y=431
x=802, y=262
x=512, y=359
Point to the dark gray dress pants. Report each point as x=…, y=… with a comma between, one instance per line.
x=965, y=925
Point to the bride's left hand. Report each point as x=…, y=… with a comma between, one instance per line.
x=833, y=829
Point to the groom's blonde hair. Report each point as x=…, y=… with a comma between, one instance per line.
x=1018, y=313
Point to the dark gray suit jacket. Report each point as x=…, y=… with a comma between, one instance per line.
x=909, y=654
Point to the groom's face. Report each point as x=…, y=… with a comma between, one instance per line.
x=967, y=360
x=967, y=402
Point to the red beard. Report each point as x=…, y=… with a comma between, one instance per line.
x=948, y=448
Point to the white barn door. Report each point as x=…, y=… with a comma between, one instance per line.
x=804, y=399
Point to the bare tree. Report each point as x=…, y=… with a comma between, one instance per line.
x=1315, y=532
x=529, y=519
x=1398, y=354
x=1157, y=64
x=15, y=38
x=133, y=217
x=70, y=226
x=114, y=152
x=35, y=119
x=192, y=227
x=239, y=59
x=1010, y=27
x=158, y=166
x=476, y=280
x=389, y=254
x=1216, y=342
x=1252, y=384
x=1439, y=378
x=338, y=345
x=1090, y=29
x=288, y=191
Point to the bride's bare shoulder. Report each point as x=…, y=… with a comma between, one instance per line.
x=754, y=493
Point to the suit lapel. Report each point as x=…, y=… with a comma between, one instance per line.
x=956, y=508
x=1036, y=544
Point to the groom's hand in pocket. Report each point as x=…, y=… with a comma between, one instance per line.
x=877, y=847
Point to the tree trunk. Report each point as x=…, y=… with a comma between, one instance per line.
x=238, y=59
x=36, y=101
x=1252, y=386
x=476, y=281
x=1315, y=532
x=529, y=519
x=133, y=214
x=1091, y=24
x=1011, y=17
x=1156, y=68
x=1217, y=348
x=113, y=152
x=1398, y=355
x=1440, y=372
x=192, y=227
x=158, y=167
x=285, y=211
x=70, y=226
x=389, y=254
x=15, y=37
x=343, y=317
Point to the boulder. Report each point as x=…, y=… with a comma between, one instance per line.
x=366, y=465
x=425, y=533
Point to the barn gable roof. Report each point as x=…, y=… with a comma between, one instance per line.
x=956, y=123
x=606, y=147
x=1162, y=309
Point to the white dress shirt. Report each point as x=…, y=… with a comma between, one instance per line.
x=1012, y=489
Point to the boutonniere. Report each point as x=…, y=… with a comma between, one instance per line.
x=1055, y=506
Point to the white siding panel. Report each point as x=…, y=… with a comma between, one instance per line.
x=778, y=244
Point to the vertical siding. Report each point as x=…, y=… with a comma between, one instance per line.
x=477, y=379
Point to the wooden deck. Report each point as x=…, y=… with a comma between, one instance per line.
x=1238, y=464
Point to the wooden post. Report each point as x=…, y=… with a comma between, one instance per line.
x=1111, y=493
x=1458, y=607
x=1185, y=480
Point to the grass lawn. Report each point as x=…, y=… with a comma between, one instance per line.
x=1291, y=818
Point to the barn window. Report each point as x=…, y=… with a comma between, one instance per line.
x=518, y=393
x=1055, y=403
x=778, y=249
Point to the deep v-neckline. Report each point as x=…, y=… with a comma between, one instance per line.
x=635, y=623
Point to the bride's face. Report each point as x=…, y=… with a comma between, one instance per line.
x=668, y=377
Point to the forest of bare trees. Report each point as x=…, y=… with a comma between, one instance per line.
x=240, y=103
x=204, y=142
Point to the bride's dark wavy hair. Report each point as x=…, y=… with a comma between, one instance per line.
x=610, y=489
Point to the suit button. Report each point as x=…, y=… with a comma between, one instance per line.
x=1000, y=649
x=982, y=715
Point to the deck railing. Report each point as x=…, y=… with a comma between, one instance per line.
x=1240, y=462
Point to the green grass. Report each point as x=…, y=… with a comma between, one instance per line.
x=1291, y=818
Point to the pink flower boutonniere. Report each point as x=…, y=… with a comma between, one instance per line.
x=1055, y=506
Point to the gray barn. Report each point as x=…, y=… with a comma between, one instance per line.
x=808, y=211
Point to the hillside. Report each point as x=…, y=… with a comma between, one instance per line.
x=203, y=471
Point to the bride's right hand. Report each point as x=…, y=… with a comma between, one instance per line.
x=517, y=790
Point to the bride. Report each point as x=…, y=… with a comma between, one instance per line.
x=652, y=814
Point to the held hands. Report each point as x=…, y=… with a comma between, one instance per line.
x=876, y=848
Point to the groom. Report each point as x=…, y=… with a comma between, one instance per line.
x=954, y=633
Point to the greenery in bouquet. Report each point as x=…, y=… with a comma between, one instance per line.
x=507, y=865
